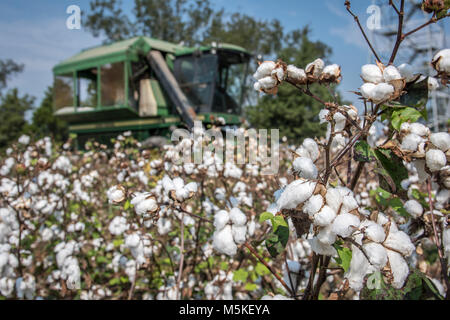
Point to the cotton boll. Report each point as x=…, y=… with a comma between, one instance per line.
x=315, y=68
x=324, y=217
x=349, y=203
x=334, y=198
x=371, y=73
x=345, y=224
x=326, y=235
x=419, y=129
x=359, y=267
x=322, y=248
x=323, y=116
x=340, y=120
x=313, y=205
x=377, y=254
x=295, y=193
x=305, y=168
x=238, y=217
x=239, y=233
x=406, y=72
x=223, y=241
x=382, y=92
x=221, y=219
x=399, y=268
x=441, y=140
x=296, y=74
x=264, y=70
x=414, y=208
x=311, y=148
x=435, y=160
x=267, y=83
x=399, y=241
x=132, y=240
x=278, y=73
x=420, y=168
x=373, y=231
x=332, y=71
x=446, y=242
x=391, y=73
x=433, y=84
x=441, y=61
x=411, y=142
x=367, y=90
x=443, y=196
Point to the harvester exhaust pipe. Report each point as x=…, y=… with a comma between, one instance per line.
x=170, y=84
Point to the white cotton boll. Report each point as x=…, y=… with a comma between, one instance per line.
x=24, y=139
x=223, y=241
x=145, y=206
x=382, y=92
x=132, y=240
x=349, y=203
x=399, y=241
x=414, y=208
x=221, y=219
x=315, y=67
x=267, y=83
x=433, y=84
x=441, y=140
x=313, y=205
x=377, y=254
x=239, y=233
x=334, y=198
x=238, y=217
x=324, y=217
x=257, y=86
x=323, y=116
x=367, y=90
x=295, y=193
x=382, y=219
x=420, y=168
x=446, y=242
x=340, y=120
x=345, y=224
x=296, y=73
x=278, y=73
x=116, y=194
x=332, y=70
x=442, y=61
x=373, y=231
x=411, y=142
x=359, y=267
x=313, y=149
x=326, y=235
x=191, y=187
x=371, y=73
x=321, y=248
x=399, y=268
x=305, y=168
x=407, y=72
x=443, y=196
x=419, y=129
x=391, y=73
x=435, y=160
x=264, y=70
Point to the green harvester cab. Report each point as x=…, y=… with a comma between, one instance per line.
x=146, y=85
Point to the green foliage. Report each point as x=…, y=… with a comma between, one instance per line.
x=8, y=68
x=344, y=256
x=417, y=287
x=407, y=114
x=44, y=123
x=363, y=152
x=388, y=200
x=240, y=275
x=278, y=238
x=392, y=167
x=12, y=116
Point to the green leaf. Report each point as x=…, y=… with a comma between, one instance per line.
x=240, y=275
x=345, y=256
x=250, y=286
x=404, y=115
x=265, y=216
x=261, y=269
x=363, y=152
x=397, y=205
x=127, y=205
x=277, y=222
x=114, y=281
x=416, y=94
x=393, y=166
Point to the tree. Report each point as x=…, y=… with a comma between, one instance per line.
x=44, y=123
x=8, y=68
x=296, y=115
x=12, y=116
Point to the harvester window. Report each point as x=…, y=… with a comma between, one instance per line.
x=112, y=84
x=87, y=88
x=63, y=91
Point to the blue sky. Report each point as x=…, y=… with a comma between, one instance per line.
x=34, y=33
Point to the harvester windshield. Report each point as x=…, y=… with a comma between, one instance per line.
x=213, y=82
